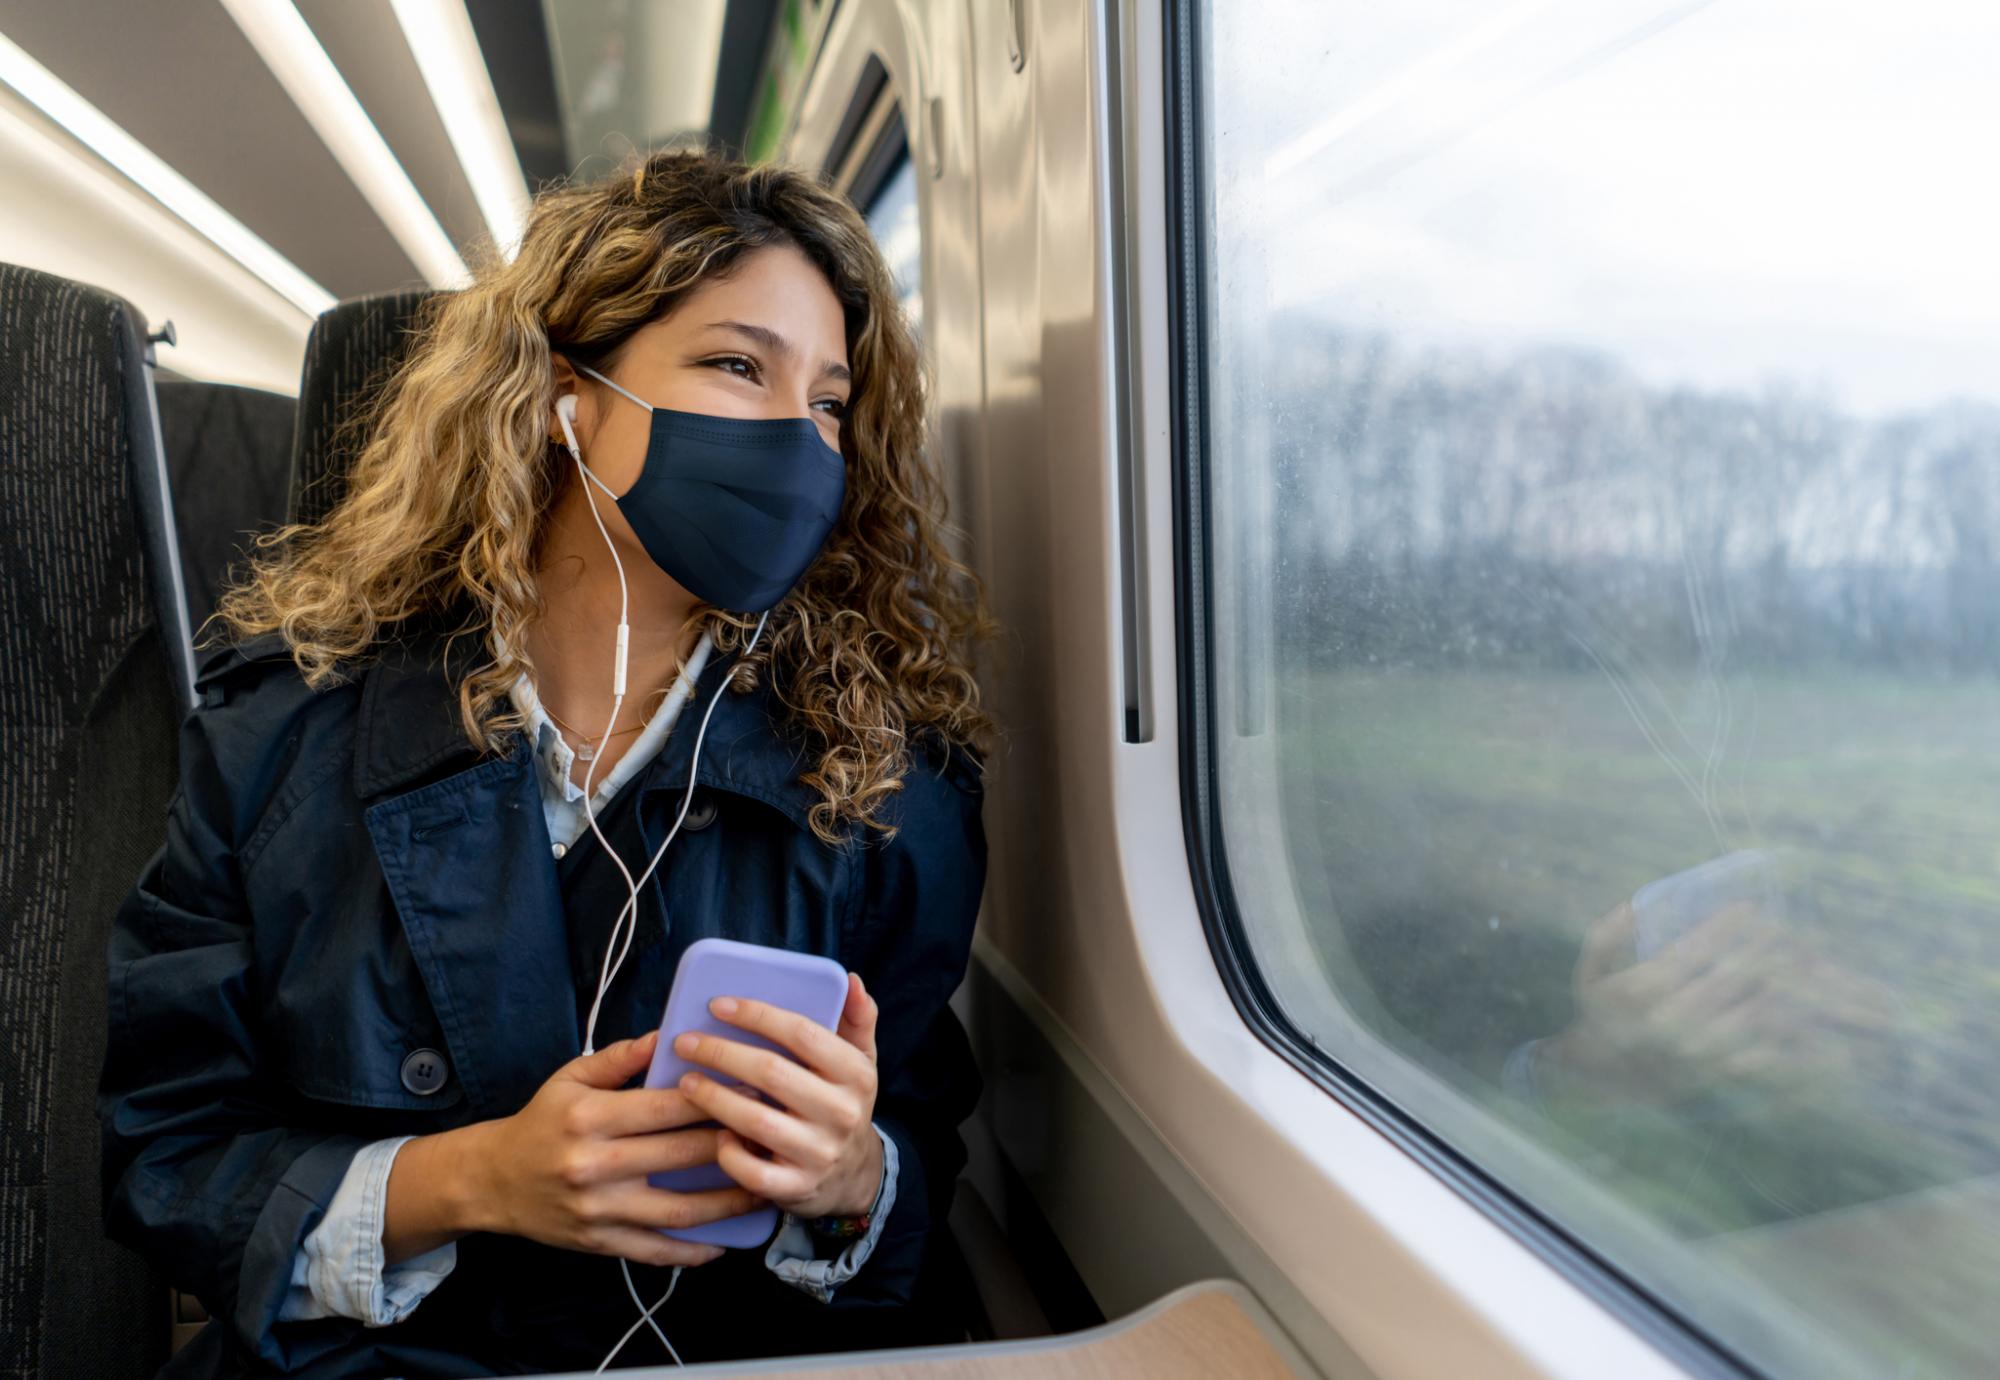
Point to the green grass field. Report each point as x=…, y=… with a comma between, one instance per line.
x=1460, y=833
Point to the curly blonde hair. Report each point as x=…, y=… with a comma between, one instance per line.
x=455, y=472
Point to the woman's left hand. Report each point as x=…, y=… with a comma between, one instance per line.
x=816, y=1153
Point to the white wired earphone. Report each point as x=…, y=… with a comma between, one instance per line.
x=627, y=924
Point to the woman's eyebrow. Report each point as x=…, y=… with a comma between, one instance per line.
x=778, y=345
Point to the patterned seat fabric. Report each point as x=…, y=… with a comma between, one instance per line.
x=88, y=708
x=354, y=348
x=229, y=451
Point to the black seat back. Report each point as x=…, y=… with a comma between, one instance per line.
x=229, y=455
x=90, y=693
x=353, y=349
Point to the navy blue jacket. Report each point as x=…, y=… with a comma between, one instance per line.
x=346, y=881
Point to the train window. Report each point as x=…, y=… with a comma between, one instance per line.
x=1595, y=482
x=892, y=215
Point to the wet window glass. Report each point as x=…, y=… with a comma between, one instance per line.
x=1603, y=476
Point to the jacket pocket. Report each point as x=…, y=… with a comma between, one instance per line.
x=353, y=1054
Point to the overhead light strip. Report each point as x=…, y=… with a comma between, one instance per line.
x=297, y=59
x=42, y=89
x=90, y=223
x=442, y=40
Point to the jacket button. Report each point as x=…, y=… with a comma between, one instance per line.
x=424, y=1072
x=700, y=815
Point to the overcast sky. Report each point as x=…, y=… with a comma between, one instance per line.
x=1719, y=193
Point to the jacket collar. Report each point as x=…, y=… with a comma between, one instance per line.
x=409, y=730
x=746, y=750
x=409, y=725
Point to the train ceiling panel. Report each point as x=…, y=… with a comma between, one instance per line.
x=331, y=148
x=184, y=81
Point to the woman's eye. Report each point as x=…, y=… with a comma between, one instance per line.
x=735, y=364
x=834, y=407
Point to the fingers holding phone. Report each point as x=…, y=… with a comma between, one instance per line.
x=858, y=1017
x=570, y=1168
x=811, y=1148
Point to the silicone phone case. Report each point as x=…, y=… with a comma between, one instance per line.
x=814, y=987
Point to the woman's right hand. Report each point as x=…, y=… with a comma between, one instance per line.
x=569, y=1169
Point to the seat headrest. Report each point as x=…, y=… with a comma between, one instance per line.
x=229, y=454
x=354, y=348
x=80, y=428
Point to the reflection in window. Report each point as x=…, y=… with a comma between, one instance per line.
x=1605, y=480
x=892, y=215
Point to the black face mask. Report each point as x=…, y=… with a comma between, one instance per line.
x=734, y=510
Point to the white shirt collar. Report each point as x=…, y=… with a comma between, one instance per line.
x=554, y=758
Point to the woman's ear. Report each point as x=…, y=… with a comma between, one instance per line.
x=564, y=383
x=563, y=377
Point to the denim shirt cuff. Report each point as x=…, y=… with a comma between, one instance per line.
x=339, y=1270
x=794, y=1254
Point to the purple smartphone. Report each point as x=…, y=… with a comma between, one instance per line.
x=814, y=987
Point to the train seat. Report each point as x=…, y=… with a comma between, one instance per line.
x=90, y=692
x=354, y=347
x=229, y=457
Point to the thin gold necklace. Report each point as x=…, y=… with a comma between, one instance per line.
x=586, y=748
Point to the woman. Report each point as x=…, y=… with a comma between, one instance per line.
x=645, y=506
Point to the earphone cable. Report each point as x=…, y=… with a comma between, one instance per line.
x=645, y=1318
x=627, y=923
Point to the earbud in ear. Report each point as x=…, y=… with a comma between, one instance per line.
x=566, y=414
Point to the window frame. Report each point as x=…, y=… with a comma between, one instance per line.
x=880, y=162
x=1678, y=1336
x=872, y=143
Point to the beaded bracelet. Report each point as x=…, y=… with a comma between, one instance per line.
x=841, y=1228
